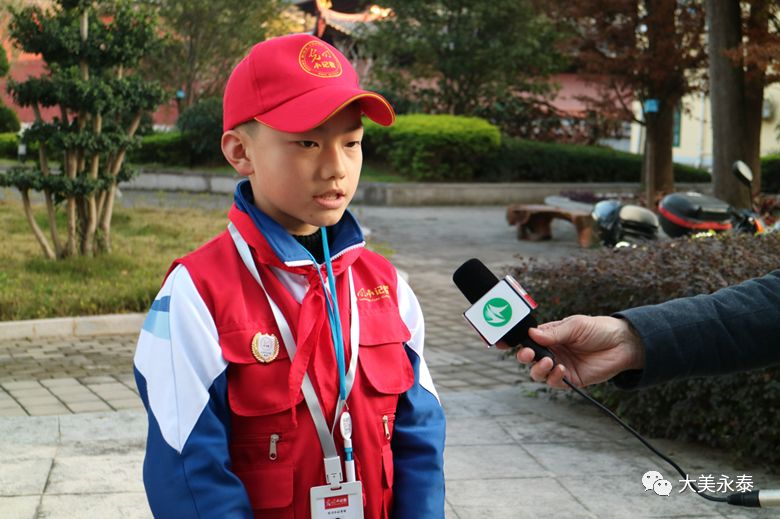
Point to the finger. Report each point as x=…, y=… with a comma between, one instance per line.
x=525, y=355
x=555, y=379
x=501, y=345
x=541, y=369
x=557, y=332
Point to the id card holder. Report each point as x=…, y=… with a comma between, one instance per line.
x=345, y=502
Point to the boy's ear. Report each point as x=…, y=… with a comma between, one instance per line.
x=234, y=149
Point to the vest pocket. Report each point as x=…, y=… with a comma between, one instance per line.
x=257, y=391
x=382, y=357
x=255, y=388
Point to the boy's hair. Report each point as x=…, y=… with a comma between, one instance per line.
x=295, y=83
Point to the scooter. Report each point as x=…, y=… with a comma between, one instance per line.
x=619, y=224
x=688, y=213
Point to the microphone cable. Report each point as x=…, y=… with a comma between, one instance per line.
x=647, y=444
x=750, y=498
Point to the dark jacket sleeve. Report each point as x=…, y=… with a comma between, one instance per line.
x=734, y=329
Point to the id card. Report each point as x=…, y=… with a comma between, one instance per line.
x=346, y=502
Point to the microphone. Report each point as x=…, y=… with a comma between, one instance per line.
x=501, y=310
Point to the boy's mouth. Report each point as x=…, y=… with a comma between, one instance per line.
x=330, y=199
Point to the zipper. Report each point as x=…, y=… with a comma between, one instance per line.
x=385, y=423
x=272, y=447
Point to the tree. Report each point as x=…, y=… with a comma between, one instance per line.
x=652, y=50
x=454, y=56
x=205, y=39
x=744, y=57
x=90, y=49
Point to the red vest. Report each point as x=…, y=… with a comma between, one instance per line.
x=267, y=409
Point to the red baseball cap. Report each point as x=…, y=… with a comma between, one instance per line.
x=295, y=83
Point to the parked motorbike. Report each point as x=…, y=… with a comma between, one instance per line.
x=688, y=213
x=617, y=223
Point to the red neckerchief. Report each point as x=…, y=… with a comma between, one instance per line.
x=309, y=326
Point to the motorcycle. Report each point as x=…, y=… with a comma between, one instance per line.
x=688, y=213
x=619, y=224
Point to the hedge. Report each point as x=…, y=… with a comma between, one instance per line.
x=770, y=173
x=434, y=147
x=162, y=148
x=9, y=145
x=532, y=161
x=709, y=410
x=201, y=125
x=9, y=121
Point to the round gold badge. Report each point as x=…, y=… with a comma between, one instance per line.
x=318, y=60
x=265, y=347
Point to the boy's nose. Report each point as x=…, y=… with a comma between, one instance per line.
x=333, y=164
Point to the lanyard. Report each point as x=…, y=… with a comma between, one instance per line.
x=332, y=459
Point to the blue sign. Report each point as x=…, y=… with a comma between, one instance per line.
x=652, y=106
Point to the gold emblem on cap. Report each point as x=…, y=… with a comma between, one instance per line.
x=265, y=347
x=319, y=60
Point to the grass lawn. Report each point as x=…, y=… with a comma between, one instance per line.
x=145, y=241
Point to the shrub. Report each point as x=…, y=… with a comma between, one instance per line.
x=9, y=147
x=9, y=143
x=162, y=148
x=201, y=125
x=530, y=161
x=9, y=121
x=770, y=173
x=434, y=147
x=710, y=410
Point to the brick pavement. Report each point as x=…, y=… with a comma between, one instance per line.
x=67, y=375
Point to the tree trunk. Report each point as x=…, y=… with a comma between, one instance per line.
x=70, y=167
x=104, y=238
x=659, y=176
x=88, y=247
x=755, y=78
x=727, y=95
x=47, y=250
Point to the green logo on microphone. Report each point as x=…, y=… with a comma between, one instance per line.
x=497, y=312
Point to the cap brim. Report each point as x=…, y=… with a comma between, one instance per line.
x=313, y=108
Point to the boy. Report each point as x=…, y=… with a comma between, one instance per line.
x=282, y=371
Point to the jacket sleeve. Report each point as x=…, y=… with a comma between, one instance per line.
x=418, y=438
x=733, y=329
x=181, y=377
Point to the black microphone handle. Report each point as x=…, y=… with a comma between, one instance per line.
x=539, y=351
x=519, y=336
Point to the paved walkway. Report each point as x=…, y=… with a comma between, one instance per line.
x=74, y=434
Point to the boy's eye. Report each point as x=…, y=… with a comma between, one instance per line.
x=307, y=144
x=353, y=144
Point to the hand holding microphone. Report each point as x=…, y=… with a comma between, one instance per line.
x=588, y=350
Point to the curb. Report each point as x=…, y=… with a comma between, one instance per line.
x=403, y=193
x=93, y=325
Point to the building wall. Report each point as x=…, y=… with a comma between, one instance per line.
x=695, y=143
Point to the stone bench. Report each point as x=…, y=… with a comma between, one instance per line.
x=533, y=221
